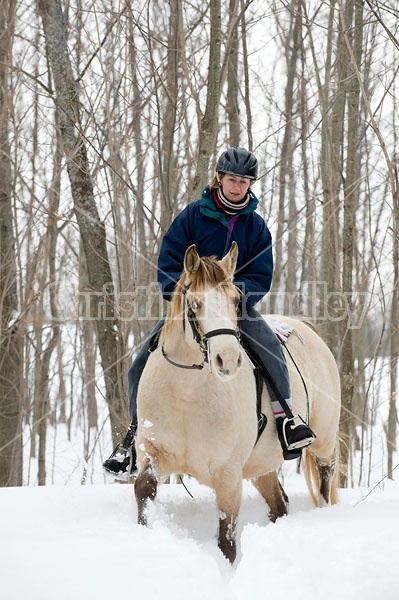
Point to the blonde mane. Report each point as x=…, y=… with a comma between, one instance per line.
x=209, y=273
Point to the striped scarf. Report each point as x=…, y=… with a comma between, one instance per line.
x=230, y=208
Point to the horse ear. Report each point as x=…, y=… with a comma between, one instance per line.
x=191, y=260
x=230, y=260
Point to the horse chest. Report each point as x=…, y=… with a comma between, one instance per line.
x=187, y=421
x=186, y=414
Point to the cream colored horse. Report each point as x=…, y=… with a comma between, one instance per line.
x=200, y=419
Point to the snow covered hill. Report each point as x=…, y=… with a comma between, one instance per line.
x=83, y=543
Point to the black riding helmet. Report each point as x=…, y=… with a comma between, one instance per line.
x=238, y=161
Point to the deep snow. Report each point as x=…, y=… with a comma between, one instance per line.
x=82, y=542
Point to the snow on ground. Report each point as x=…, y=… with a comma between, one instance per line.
x=82, y=542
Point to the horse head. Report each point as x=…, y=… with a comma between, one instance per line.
x=211, y=303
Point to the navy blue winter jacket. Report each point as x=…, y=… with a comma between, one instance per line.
x=203, y=224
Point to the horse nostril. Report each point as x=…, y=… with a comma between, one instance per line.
x=239, y=361
x=219, y=361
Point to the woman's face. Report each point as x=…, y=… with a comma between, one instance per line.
x=234, y=188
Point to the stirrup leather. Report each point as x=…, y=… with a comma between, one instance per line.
x=129, y=438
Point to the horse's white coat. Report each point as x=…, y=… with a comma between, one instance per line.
x=204, y=422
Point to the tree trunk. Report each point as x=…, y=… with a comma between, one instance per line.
x=209, y=122
x=353, y=31
x=169, y=170
x=43, y=356
x=309, y=249
x=92, y=229
x=89, y=353
x=247, y=90
x=333, y=101
x=394, y=335
x=285, y=179
x=233, y=85
x=11, y=359
x=144, y=252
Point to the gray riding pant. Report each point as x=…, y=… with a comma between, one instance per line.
x=257, y=338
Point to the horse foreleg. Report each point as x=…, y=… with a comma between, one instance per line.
x=145, y=489
x=271, y=489
x=228, y=498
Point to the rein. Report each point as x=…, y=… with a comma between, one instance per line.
x=201, y=338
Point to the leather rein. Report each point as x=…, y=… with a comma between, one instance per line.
x=199, y=336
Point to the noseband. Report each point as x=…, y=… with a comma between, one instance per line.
x=199, y=336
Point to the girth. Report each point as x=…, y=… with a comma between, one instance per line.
x=262, y=419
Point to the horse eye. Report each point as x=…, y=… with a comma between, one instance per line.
x=195, y=305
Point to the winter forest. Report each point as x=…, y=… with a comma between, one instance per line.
x=112, y=114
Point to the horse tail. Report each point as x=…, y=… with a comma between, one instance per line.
x=322, y=476
x=335, y=481
x=312, y=477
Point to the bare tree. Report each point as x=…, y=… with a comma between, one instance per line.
x=352, y=24
x=92, y=231
x=209, y=121
x=247, y=89
x=42, y=380
x=394, y=334
x=233, y=84
x=10, y=332
x=286, y=185
x=143, y=91
x=333, y=110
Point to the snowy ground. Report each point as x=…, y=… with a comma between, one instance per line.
x=82, y=542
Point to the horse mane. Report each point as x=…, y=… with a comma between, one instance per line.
x=210, y=272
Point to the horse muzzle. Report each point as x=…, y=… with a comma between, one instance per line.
x=226, y=361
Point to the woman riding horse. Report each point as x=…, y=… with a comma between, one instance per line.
x=225, y=213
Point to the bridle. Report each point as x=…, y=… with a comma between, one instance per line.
x=199, y=336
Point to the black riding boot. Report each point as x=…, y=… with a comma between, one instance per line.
x=294, y=435
x=121, y=464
